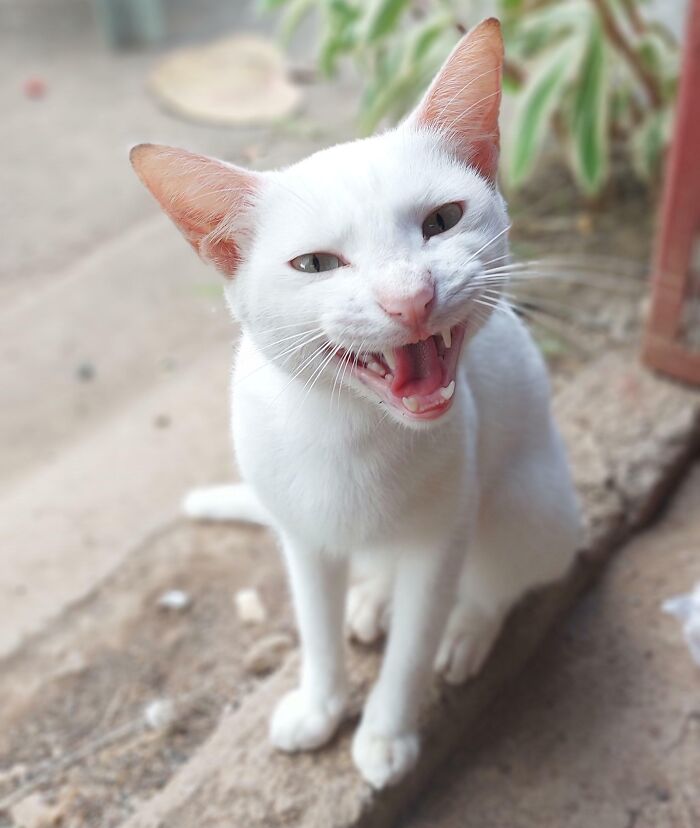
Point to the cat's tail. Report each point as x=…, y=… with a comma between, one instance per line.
x=232, y=502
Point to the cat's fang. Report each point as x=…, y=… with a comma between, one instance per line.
x=411, y=403
x=447, y=337
x=448, y=391
x=390, y=360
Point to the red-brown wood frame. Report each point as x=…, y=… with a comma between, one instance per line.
x=663, y=348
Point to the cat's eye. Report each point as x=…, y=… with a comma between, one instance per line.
x=442, y=219
x=316, y=262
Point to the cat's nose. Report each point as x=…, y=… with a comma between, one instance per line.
x=411, y=309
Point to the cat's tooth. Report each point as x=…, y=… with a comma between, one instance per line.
x=447, y=337
x=389, y=359
x=447, y=391
x=376, y=367
x=411, y=403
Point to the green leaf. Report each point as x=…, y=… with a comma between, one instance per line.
x=661, y=58
x=271, y=5
x=648, y=143
x=589, y=115
x=342, y=12
x=427, y=35
x=387, y=85
x=557, y=16
x=537, y=102
x=332, y=48
x=537, y=30
x=384, y=17
x=293, y=16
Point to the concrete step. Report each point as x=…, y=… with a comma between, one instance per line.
x=631, y=437
x=72, y=520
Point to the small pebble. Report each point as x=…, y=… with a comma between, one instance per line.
x=159, y=714
x=251, y=609
x=174, y=599
x=267, y=654
x=162, y=421
x=85, y=372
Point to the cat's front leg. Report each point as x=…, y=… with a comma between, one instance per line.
x=307, y=717
x=387, y=744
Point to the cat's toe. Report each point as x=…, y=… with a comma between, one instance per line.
x=466, y=643
x=300, y=723
x=384, y=760
x=366, y=617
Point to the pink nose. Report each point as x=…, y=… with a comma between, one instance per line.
x=412, y=310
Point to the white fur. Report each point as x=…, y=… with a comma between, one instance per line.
x=453, y=520
x=229, y=502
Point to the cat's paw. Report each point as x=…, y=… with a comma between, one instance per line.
x=300, y=723
x=367, y=611
x=384, y=760
x=468, y=639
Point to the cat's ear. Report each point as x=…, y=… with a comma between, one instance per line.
x=464, y=99
x=208, y=200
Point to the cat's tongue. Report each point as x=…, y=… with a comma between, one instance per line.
x=418, y=369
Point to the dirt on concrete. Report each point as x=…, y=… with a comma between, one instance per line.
x=76, y=729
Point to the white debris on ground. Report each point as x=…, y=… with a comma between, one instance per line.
x=159, y=714
x=174, y=599
x=686, y=608
x=250, y=607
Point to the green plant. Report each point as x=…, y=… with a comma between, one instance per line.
x=597, y=74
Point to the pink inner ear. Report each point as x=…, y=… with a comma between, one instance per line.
x=464, y=99
x=208, y=200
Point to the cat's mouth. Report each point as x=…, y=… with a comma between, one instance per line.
x=417, y=379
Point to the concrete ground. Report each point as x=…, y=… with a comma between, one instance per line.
x=114, y=363
x=603, y=729
x=116, y=342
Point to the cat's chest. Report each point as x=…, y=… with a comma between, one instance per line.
x=316, y=478
x=338, y=475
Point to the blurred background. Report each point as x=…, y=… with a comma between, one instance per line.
x=116, y=343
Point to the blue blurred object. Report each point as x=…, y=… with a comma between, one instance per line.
x=131, y=22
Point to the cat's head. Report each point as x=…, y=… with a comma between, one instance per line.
x=362, y=266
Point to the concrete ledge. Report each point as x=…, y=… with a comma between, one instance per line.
x=631, y=436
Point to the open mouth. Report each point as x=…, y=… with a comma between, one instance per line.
x=417, y=379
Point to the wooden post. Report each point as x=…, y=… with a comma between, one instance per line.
x=676, y=270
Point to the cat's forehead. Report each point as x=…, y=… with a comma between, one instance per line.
x=387, y=172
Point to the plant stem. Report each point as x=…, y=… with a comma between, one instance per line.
x=633, y=15
x=618, y=39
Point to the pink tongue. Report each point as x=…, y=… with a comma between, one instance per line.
x=418, y=369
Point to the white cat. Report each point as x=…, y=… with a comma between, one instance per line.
x=389, y=408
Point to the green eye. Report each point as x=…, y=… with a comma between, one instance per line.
x=444, y=218
x=315, y=262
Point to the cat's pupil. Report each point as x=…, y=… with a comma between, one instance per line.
x=442, y=219
x=315, y=262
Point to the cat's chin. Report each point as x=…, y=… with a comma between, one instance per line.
x=417, y=380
